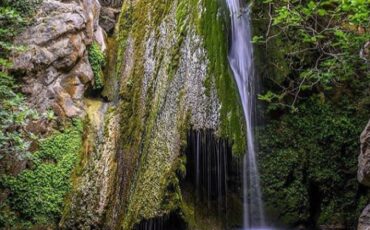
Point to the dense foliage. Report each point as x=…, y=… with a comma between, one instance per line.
x=97, y=61
x=313, y=59
x=309, y=164
x=37, y=194
x=313, y=47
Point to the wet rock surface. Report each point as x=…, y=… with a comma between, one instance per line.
x=363, y=175
x=55, y=68
x=172, y=89
x=95, y=181
x=364, y=220
x=108, y=18
x=109, y=14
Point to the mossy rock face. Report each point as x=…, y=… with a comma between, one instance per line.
x=174, y=85
x=93, y=178
x=171, y=74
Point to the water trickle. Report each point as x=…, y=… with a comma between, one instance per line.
x=241, y=62
x=166, y=222
x=207, y=167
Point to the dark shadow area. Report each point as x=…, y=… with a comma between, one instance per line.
x=168, y=222
x=213, y=180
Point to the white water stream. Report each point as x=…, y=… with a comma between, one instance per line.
x=241, y=62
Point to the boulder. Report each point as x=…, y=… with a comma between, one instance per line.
x=108, y=18
x=363, y=173
x=53, y=20
x=364, y=220
x=55, y=67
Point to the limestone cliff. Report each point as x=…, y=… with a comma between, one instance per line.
x=167, y=74
x=55, y=66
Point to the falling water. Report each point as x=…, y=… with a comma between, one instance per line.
x=207, y=166
x=241, y=62
x=166, y=222
x=212, y=180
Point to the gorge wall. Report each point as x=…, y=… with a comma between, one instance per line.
x=142, y=93
x=166, y=73
x=161, y=83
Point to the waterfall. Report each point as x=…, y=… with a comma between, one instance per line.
x=241, y=62
x=208, y=158
x=166, y=222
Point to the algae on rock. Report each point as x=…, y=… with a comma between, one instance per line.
x=169, y=76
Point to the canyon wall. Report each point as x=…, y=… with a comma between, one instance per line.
x=167, y=73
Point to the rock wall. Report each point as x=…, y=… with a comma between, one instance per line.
x=55, y=66
x=109, y=14
x=162, y=84
x=364, y=220
x=363, y=175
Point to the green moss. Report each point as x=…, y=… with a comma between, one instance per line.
x=110, y=81
x=37, y=194
x=97, y=62
x=152, y=163
x=212, y=26
x=197, y=216
x=182, y=19
x=188, y=214
x=136, y=139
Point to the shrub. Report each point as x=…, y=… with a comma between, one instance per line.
x=25, y=7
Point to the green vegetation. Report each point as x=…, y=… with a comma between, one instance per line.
x=97, y=62
x=213, y=26
x=312, y=60
x=37, y=194
x=145, y=187
x=309, y=164
x=312, y=47
x=24, y=7
x=314, y=67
